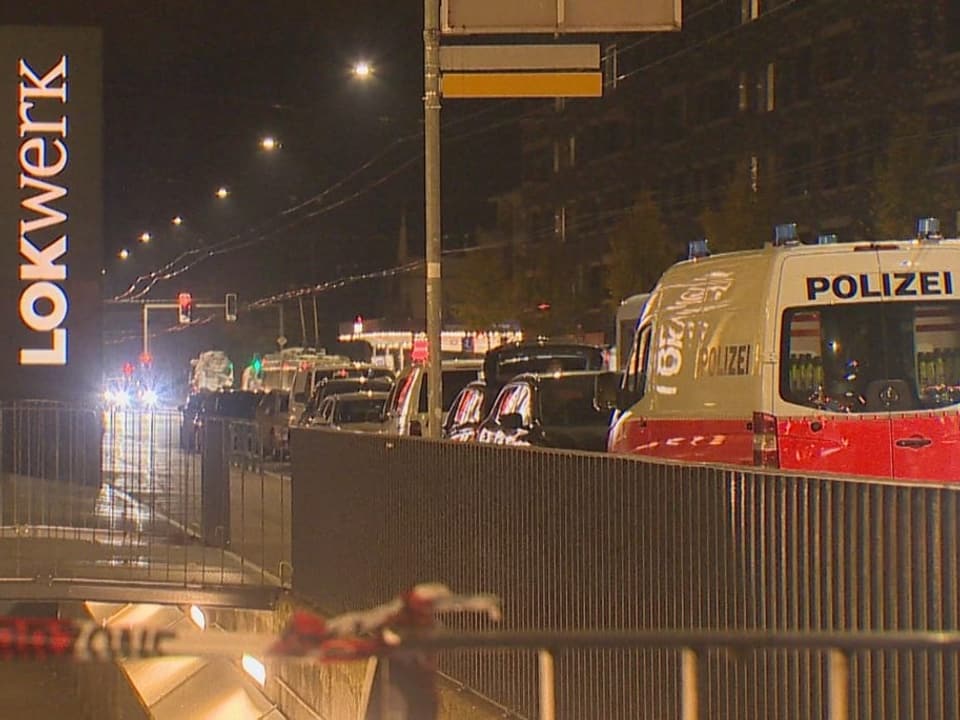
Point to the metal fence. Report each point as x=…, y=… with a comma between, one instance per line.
x=110, y=503
x=575, y=541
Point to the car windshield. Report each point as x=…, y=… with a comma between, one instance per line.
x=872, y=357
x=359, y=410
x=354, y=384
x=568, y=400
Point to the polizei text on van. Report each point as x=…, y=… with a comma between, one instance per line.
x=43, y=240
x=887, y=284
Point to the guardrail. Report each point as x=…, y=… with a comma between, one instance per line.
x=579, y=541
x=836, y=647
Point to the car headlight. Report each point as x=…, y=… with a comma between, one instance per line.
x=150, y=397
x=121, y=398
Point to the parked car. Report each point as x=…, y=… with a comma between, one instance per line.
x=406, y=411
x=273, y=420
x=503, y=363
x=462, y=422
x=197, y=405
x=310, y=375
x=362, y=411
x=340, y=386
x=556, y=410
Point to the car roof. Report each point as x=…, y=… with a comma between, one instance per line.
x=362, y=395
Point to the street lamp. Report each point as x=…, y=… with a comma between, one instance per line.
x=269, y=143
x=362, y=69
x=145, y=237
x=123, y=254
x=177, y=220
x=222, y=192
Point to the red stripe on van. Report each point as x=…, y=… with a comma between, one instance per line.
x=714, y=441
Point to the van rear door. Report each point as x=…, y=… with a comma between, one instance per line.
x=923, y=346
x=833, y=352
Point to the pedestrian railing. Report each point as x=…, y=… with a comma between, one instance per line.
x=115, y=500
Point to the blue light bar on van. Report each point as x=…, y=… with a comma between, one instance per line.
x=785, y=234
x=698, y=249
x=928, y=227
x=826, y=239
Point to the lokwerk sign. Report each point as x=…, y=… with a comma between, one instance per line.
x=50, y=212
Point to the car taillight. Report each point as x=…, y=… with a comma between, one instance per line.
x=766, y=452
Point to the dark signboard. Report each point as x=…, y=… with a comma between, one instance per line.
x=51, y=211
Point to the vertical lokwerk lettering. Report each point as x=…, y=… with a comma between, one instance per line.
x=43, y=156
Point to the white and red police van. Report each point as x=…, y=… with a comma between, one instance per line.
x=841, y=358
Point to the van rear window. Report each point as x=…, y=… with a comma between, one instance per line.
x=872, y=357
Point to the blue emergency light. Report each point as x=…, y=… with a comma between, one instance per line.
x=785, y=234
x=698, y=249
x=928, y=227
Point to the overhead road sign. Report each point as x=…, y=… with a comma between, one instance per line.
x=521, y=84
x=478, y=17
x=520, y=57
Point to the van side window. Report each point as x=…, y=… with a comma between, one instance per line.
x=871, y=357
x=635, y=377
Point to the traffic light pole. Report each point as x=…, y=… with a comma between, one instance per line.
x=147, y=307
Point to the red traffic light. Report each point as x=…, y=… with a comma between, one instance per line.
x=185, y=307
x=128, y=369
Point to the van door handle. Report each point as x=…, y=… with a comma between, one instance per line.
x=915, y=441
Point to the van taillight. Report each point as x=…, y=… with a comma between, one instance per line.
x=765, y=449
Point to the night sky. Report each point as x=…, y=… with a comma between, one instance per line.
x=191, y=87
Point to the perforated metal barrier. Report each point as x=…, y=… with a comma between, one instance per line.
x=596, y=542
x=110, y=503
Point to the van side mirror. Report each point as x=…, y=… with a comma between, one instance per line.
x=606, y=390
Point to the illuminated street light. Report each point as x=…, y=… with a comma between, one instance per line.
x=145, y=237
x=362, y=69
x=123, y=254
x=177, y=220
x=269, y=143
x=198, y=617
x=254, y=668
x=222, y=192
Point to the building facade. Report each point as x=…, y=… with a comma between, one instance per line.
x=842, y=115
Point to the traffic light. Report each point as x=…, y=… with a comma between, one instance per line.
x=257, y=365
x=230, y=307
x=185, y=308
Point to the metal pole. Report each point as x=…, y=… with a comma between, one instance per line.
x=146, y=331
x=316, y=324
x=431, y=165
x=689, y=685
x=548, y=692
x=303, y=324
x=839, y=688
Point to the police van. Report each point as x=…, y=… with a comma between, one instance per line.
x=838, y=358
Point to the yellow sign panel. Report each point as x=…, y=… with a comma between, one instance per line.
x=521, y=84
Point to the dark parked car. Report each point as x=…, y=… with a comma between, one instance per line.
x=362, y=411
x=467, y=411
x=273, y=420
x=502, y=364
x=341, y=386
x=198, y=404
x=557, y=410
